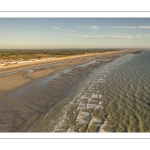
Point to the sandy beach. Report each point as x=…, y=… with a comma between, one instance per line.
x=22, y=109
x=14, y=81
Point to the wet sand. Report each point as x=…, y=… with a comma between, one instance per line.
x=13, y=82
x=24, y=98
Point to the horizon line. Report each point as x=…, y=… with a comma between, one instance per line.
x=75, y=48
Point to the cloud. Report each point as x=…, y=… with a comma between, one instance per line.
x=94, y=27
x=105, y=36
x=147, y=35
x=61, y=29
x=82, y=27
x=143, y=27
x=84, y=36
x=129, y=27
x=88, y=27
x=138, y=36
x=114, y=36
x=125, y=36
x=65, y=33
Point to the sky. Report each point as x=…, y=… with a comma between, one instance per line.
x=40, y=33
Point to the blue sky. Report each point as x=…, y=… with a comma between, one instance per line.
x=74, y=33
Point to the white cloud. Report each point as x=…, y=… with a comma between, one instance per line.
x=65, y=33
x=94, y=27
x=138, y=36
x=105, y=36
x=143, y=27
x=114, y=36
x=147, y=35
x=129, y=27
x=61, y=29
x=82, y=27
x=88, y=27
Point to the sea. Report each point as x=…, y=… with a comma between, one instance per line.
x=114, y=98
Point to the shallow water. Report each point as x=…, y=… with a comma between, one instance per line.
x=115, y=98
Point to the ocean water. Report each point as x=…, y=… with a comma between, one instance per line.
x=114, y=98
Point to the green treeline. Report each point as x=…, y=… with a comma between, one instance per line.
x=38, y=54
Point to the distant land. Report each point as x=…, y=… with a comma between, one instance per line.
x=14, y=56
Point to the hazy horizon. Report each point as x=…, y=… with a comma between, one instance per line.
x=56, y=33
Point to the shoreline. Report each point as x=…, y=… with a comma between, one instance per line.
x=48, y=121
x=73, y=105
x=34, y=107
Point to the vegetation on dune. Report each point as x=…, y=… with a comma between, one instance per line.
x=17, y=55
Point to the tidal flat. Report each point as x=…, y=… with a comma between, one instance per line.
x=87, y=93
